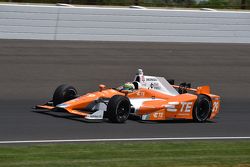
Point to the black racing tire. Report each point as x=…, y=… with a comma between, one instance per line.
x=202, y=108
x=118, y=109
x=64, y=93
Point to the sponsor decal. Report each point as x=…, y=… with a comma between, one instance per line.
x=140, y=93
x=215, y=98
x=151, y=79
x=186, y=106
x=174, y=103
x=171, y=109
x=215, y=106
x=94, y=116
x=90, y=95
x=171, y=106
x=63, y=105
x=155, y=86
x=143, y=78
x=158, y=115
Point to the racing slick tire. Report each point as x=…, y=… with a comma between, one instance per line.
x=118, y=109
x=202, y=108
x=64, y=93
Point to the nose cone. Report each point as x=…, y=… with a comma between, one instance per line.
x=78, y=103
x=83, y=101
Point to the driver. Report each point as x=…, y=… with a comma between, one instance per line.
x=127, y=86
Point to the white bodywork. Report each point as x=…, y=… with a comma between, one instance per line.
x=157, y=83
x=137, y=102
x=98, y=114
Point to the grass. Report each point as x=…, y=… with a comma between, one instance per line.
x=129, y=154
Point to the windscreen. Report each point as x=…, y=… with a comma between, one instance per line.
x=160, y=84
x=167, y=86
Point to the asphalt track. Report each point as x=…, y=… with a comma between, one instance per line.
x=30, y=70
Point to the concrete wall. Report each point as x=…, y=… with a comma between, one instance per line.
x=122, y=24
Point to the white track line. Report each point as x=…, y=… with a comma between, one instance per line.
x=121, y=139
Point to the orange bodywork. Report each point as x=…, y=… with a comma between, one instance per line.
x=82, y=101
x=148, y=103
x=162, y=107
x=152, y=98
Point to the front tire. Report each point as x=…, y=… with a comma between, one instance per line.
x=118, y=109
x=202, y=109
x=64, y=93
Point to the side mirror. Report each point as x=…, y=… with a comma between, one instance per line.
x=101, y=87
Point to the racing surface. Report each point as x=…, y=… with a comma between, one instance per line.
x=31, y=70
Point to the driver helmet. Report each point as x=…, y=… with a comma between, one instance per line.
x=128, y=86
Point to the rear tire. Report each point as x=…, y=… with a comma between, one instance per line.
x=64, y=93
x=202, y=108
x=118, y=109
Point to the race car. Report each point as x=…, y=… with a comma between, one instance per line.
x=148, y=97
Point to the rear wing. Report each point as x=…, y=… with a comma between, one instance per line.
x=164, y=86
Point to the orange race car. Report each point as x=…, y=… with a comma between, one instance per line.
x=149, y=97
